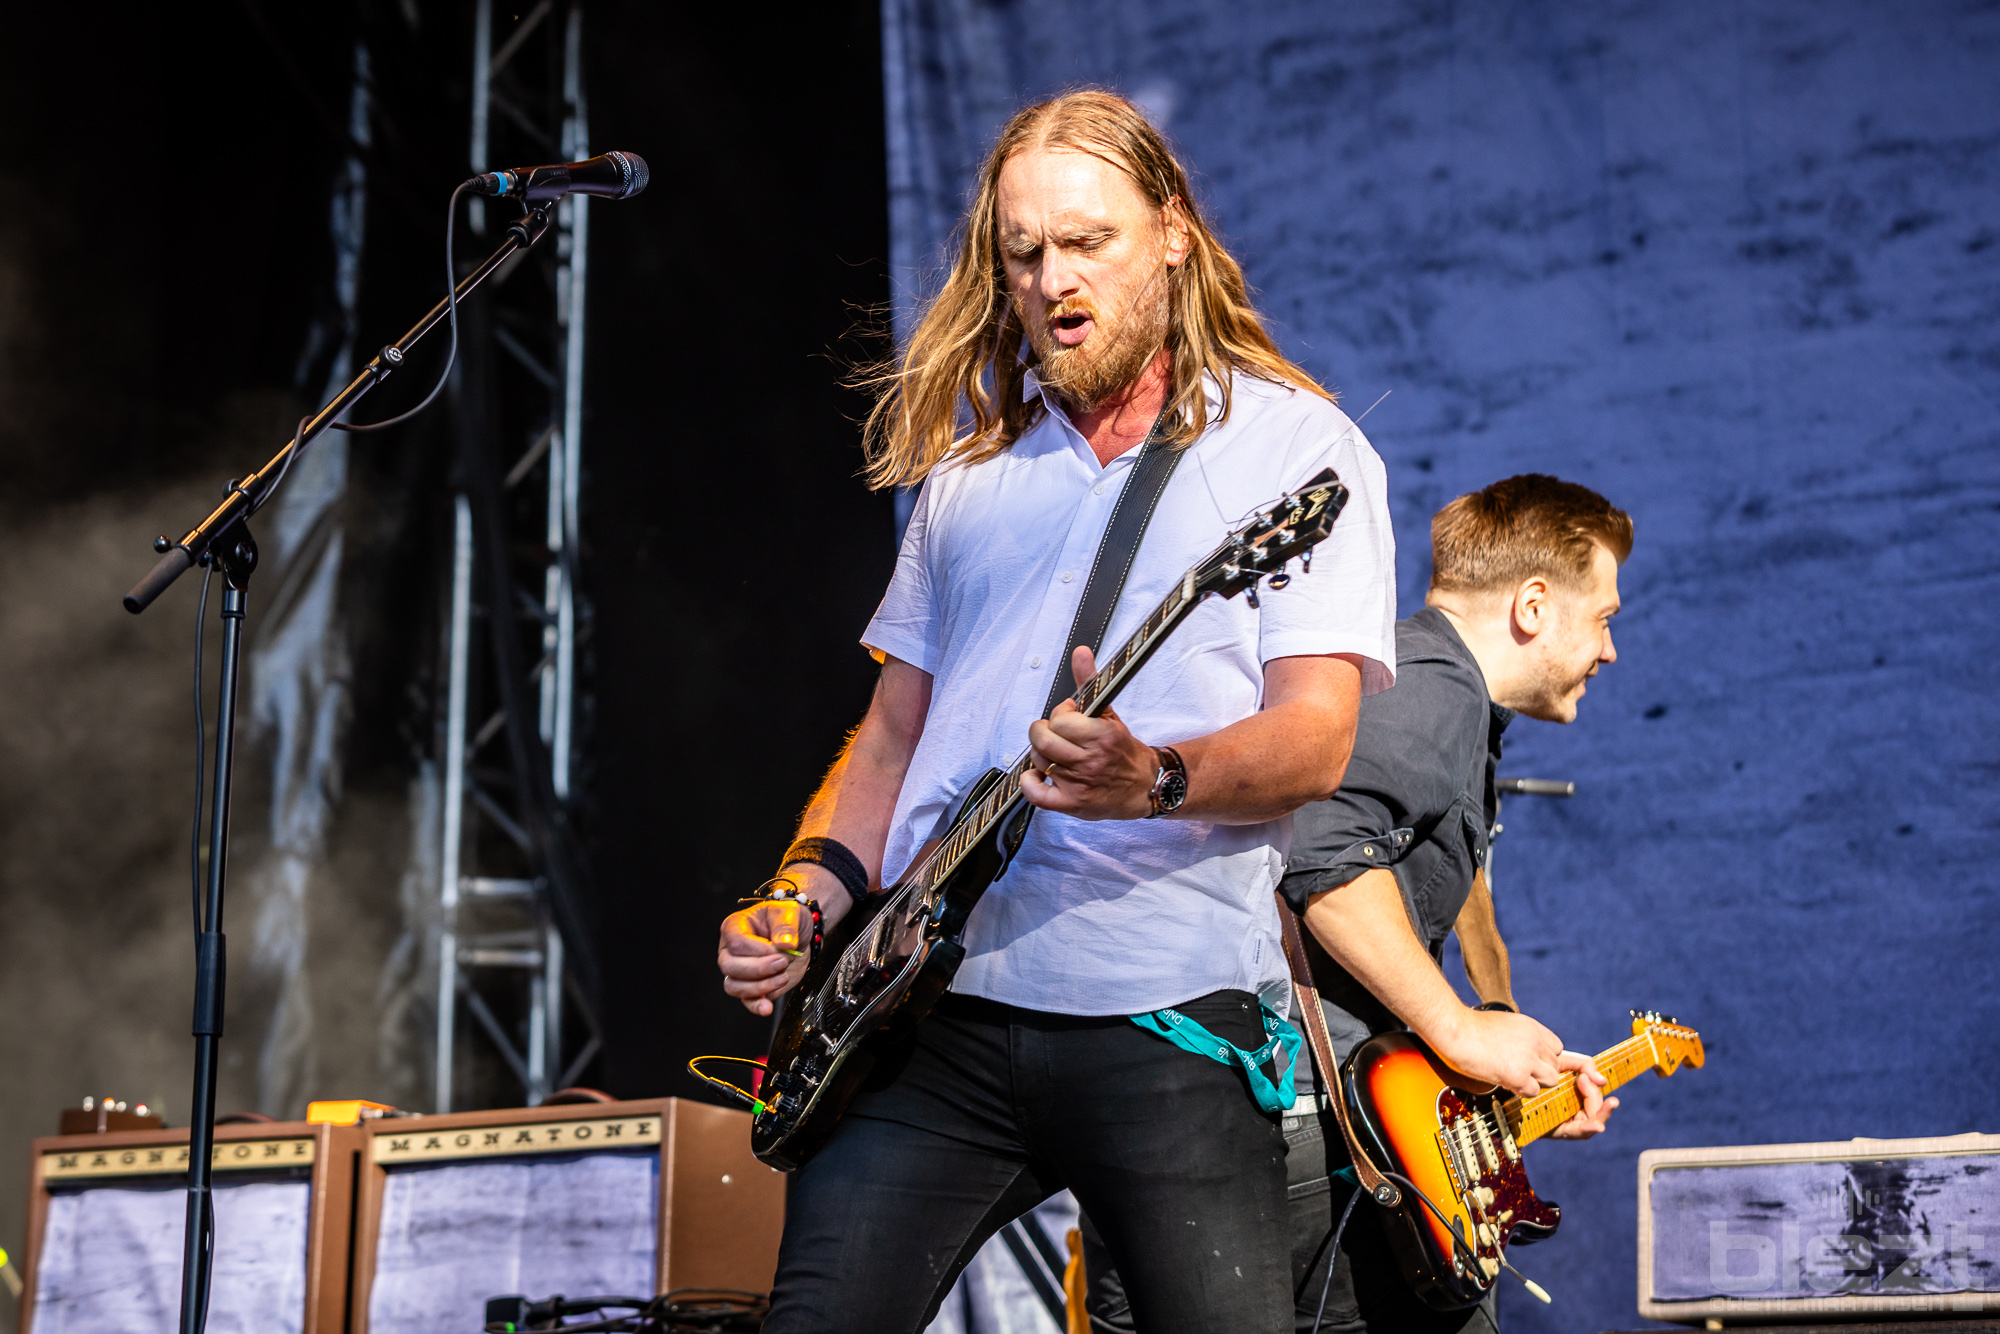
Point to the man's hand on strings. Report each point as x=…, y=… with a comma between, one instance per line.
x=1092, y=768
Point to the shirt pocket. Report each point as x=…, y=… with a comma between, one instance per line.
x=1459, y=843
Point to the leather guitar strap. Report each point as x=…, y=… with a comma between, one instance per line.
x=1136, y=503
x=1372, y=1181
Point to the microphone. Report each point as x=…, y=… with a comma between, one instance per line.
x=612, y=175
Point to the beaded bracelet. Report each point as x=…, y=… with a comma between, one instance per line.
x=784, y=890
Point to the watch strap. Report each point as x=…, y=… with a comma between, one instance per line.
x=1170, y=763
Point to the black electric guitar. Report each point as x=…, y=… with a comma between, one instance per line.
x=1460, y=1145
x=884, y=966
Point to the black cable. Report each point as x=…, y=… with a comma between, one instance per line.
x=684, y=1309
x=200, y=745
x=291, y=456
x=1333, y=1255
x=1458, y=1240
x=451, y=302
x=299, y=443
x=1450, y=1224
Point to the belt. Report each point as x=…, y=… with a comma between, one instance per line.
x=1309, y=1107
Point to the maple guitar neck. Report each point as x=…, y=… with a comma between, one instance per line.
x=1528, y=1119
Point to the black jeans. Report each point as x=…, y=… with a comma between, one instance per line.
x=991, y=1109
x=1368, y=1294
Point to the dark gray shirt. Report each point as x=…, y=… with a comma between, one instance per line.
x=1418, y=799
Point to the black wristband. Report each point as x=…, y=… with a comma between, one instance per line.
x=836, y=857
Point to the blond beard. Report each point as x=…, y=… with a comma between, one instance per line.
x=1086, y=378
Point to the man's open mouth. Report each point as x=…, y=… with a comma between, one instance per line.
x=1072, y=328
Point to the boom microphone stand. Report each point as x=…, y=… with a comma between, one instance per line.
x=1520, y=787
x=223, y=539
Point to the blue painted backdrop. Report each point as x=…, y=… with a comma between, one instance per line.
x=1738, y=267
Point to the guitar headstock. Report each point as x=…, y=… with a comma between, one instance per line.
x=1291, y=527
x=1674, y=1044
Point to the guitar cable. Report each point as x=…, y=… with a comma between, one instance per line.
x=1458, y=1237
x=756, y=1105
x=1333, y=1251
x=1452, y=1226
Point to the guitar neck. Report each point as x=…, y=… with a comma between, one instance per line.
x=1095, y=695
x=1528, y=1119
x=1092, y=699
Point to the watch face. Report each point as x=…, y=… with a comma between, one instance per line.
x=1173, y=790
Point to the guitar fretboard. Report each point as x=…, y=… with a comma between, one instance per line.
x=1529, y=1119
x=1092, y=698
x=917, y=895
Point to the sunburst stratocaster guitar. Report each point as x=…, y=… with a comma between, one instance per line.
x=1460, y=1144
x=886, y=963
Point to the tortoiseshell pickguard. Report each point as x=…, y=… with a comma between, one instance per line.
x=1428, y=1125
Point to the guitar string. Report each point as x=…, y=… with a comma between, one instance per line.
x=996, y=803
x=946, y=856
x=1529, y=1111
x=1540, y=1107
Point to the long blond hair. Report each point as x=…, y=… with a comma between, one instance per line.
x=956, y=392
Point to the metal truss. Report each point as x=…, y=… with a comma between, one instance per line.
x=516, y=976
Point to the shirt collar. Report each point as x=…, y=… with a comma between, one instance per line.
x=1058, y=419
x=1440, y=625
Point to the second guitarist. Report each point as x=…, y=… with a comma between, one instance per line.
x=1523, y=588
x=1034, y=1073
x=1524, y=584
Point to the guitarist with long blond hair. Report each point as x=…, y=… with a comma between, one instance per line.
x=1091, y=316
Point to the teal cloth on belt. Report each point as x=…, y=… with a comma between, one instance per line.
x=1188, y=1035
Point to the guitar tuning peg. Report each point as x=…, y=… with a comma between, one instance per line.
x=1280, y=579
x=1306, y=561
x=1251, y=595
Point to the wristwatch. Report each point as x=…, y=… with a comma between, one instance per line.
x=1170, y=785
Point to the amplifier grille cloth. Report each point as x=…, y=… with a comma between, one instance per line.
x=111, y=1259
x=1900, y=1227
x=456, y=1234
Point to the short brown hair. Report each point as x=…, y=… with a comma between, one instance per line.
x=1521, y=527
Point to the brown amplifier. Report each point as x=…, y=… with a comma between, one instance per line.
x=107, y=1214
x=618, y=1198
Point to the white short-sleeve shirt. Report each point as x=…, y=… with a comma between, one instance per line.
x=1123, y=917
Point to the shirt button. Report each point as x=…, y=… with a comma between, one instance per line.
x=1068, y=575
x=1097, y=490
x=1034, y=662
